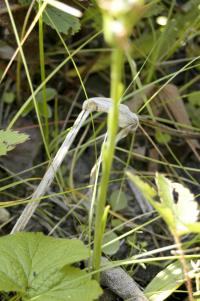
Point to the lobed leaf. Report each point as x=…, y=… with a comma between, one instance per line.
x=37, y=267
x=61, y=21
x=68, y=284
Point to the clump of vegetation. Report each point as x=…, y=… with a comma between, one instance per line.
x=98, y=101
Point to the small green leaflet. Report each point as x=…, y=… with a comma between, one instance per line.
x=162, y=138
x=9, y=139
x=8, y=97
x=38, y=267
x=111, y=248
x=118, y=200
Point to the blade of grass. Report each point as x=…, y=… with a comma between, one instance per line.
x=42, y=74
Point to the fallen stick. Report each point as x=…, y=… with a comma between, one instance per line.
x=119, y=282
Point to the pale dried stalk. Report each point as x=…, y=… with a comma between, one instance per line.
x=127, y=120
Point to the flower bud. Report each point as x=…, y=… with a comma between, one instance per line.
x=119, y=17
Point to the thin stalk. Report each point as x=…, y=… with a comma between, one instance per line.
x=56, y=120
x=184, y=265
x=108, y=154
x=23, y=40
x=27, y=74
x=18, y=78
x=42, y=74
x=19, y=61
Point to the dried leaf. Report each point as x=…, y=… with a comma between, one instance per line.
x=174, y=102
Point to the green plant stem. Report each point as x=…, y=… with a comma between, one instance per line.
x=42, y=73
x=18, y=78
x=107, y=155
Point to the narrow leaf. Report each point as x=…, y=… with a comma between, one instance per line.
x=165, y=283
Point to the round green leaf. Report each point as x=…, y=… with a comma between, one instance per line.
x=162, y=138
x=110, y=248
x=118, y=200
x=8, y=97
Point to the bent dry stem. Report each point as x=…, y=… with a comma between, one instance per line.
x=128, y=121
